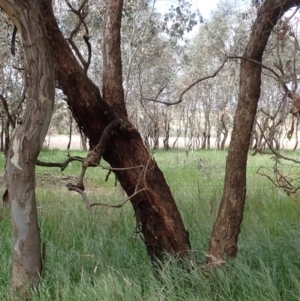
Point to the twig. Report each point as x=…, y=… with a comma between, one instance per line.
x=121, y=204
x=81, y=13
x=278, y=155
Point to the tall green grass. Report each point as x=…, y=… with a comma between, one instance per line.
x=98, y=255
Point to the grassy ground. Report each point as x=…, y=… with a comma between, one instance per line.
x=97, y=256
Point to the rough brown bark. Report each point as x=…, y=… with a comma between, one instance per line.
x=223, y=242
x=156, y=212
x=26, y=143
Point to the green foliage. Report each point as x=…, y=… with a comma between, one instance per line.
x=181, y=19
x=97, y=256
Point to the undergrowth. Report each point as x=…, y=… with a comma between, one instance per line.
x=98, y=255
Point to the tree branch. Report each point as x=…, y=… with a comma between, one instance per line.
x=5, y=106
x=62, y=165
x=278, y=155
x=81, y=13
x=71, y=187
x=121, y=204
x=189, y=87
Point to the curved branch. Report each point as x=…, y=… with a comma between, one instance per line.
x=71, y=187
x=190, y=86
x=62, y=165
x=118, y=205
x=263, y=66
x=81, y=13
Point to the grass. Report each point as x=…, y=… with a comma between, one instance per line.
x=97, y=256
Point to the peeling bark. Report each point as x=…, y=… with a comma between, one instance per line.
x=26, y=143
x=224, y=237
x=156, y=213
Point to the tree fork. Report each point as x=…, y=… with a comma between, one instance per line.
x=160, y=220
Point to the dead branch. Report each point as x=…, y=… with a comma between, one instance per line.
x=190, y=86
x=124, y=168
x=72, y=187
x=215, y=74
x=94, y=157
x=275, y=153
x=121, y=204
x=80, y=190
x=282, y=116
x=280, y=180
x=62, y=165
x=255, y=62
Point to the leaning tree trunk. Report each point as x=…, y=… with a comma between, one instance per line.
x=155, y=210
x=27, y=141
x=223, y=242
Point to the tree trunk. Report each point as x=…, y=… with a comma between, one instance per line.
x=223, y=242
x=296, y=133
x=2, y=134
x=167, y=133
x=156, y=212
x=83, y=140
x=225, y=133
x=27, y=141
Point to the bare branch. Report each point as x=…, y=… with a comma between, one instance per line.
x=83, y=194
x=121, y=204
x=81, y=13
x=62, y=165
x=72, y=187
x=125, y=168
x=190, y=86
x=278, y=155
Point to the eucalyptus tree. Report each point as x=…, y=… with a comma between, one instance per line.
x=104, y=121
x=27, y=141
x=221, y=36
x=223, y=241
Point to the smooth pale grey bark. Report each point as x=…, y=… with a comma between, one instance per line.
x=27, y=140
